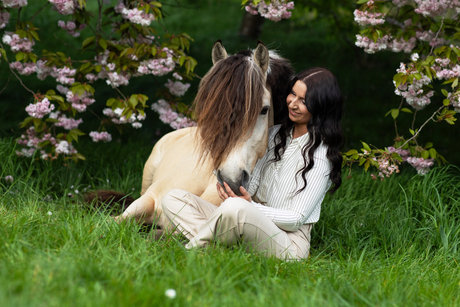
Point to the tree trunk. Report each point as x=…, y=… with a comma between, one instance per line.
x=251, y=26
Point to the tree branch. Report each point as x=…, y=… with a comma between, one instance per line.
x=421, y=127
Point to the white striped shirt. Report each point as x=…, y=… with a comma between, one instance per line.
x=274, y=184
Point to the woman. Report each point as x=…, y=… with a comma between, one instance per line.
x=288, y=184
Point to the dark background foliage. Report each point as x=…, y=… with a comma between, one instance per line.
x=320, y=33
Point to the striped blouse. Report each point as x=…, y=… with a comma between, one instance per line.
x=275, y=184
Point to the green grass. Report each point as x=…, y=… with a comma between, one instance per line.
x=390, y=243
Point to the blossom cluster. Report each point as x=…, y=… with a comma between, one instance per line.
x=14, y=3
x=414, y=93
x=387, y=42
x=445, y=69
x=63, y=121
x=364, y=18
x=421, y=165
x=78, y=101
x=386, y=168
x=403, y=153
x=63, y=75
x=103, y=136
x=177, y=88
x=168, y=116
x=274, y=11
x=134, y=15
x=40, y=109
x=16, y=43
x=435, y=8
x=117, y=117
x=4, y=18
x=25, y=69
x=71, y=27
x=158, y=67
x=64, y=7
x=32, y=143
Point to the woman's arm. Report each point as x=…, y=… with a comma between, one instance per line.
x=304, y=203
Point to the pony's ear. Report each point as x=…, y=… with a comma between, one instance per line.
x=262, y=56
x=218, y=52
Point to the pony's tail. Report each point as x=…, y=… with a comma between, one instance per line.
x=113, y=201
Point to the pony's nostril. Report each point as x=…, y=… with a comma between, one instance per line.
x=219, y=178
x=245, y=180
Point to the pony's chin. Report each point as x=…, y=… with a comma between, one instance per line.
x=235, y=186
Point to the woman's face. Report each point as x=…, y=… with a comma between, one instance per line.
x=298, y=111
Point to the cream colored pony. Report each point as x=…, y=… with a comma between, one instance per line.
x=232, y=108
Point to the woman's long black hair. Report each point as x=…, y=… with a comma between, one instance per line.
x=325, y=103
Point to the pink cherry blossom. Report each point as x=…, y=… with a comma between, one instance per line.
x=421, y=165
x=64, y=7
x=274, y=11
x=364, y=18
x=25, y=69
x=14, y=3
x=177, y=88
x=4, y=18
x=40, y=109
x=16, y=43
x=100, y=136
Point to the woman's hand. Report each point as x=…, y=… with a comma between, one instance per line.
x=224, y=195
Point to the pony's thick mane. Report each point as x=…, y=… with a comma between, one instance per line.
x=229, y=100
x=228, y=104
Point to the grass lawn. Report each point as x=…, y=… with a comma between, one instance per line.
x=390, y=243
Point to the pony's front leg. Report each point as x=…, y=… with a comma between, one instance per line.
x=142, y=209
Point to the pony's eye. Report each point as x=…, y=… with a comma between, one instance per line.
x=264, y=110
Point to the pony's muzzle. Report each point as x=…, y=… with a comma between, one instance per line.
x=234, y=185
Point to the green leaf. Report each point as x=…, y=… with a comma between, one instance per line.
x=182, y=60
x=20, y=56
x=455, y=83
x=367, y=164
x=449, y=81
x=26, y=122
x=351, y=152
x=428, y=145
x=2, y=52
x=394, y=113
x=433, y=153
x=88, y=41
x=425, y=154
x=406, y=110
x=103, y=43
x=411, y=131
x=417, y=76
x=446, y=102
x=362, y=1
x=366, y=147
x=133, y=100
x=111, y=101
x=444, y=92
x=361, y=161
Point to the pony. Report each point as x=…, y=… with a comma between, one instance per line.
x=235, y=105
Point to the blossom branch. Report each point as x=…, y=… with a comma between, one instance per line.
x=14, y=73
x=39, y=10
x=421, y=127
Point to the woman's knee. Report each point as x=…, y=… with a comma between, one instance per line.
x=235, y=205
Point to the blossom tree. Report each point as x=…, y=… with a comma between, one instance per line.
x=427, y=30
x=120, y=43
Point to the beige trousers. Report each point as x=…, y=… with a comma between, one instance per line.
x=234, y=221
